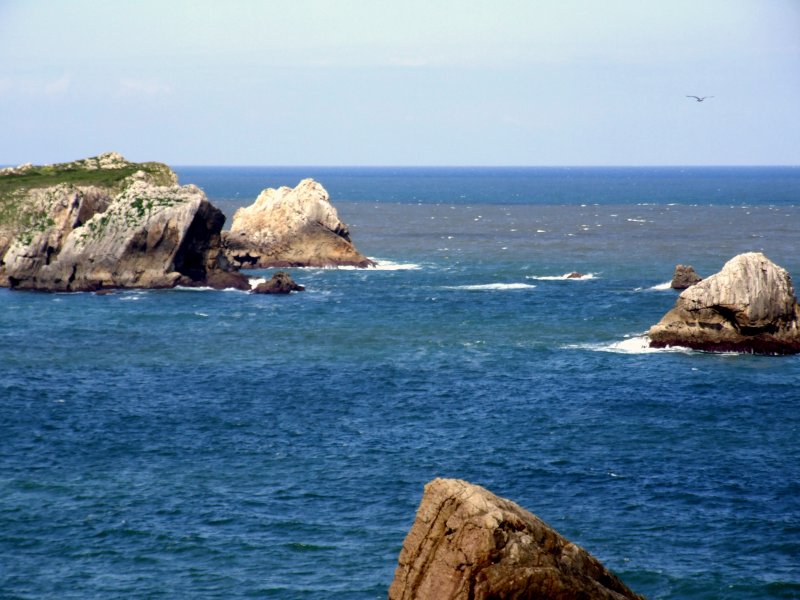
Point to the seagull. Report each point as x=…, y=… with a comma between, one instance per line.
x=699, y=98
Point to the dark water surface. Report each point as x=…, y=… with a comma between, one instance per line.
x=200, y=444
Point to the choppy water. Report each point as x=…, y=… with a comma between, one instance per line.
x=202, y=444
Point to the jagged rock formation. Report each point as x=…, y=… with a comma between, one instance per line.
x=749, y=306
x=104, y=222
x=280, y=283
x=684, y=277
x=467, y=543
x=288, y=227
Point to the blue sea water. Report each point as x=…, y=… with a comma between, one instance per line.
x=201, y=444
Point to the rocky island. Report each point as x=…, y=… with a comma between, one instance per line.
x=749, y=306
x=291, y=227
x=104, y=222
x=468, y=544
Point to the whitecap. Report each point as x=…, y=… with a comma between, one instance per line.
x=660, y=287
x=564, y=277
x=492, y=286
x=638, y=344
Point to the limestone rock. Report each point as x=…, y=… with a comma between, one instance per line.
x=467, y=543
x=684, y=277
x=280, y=283
x=134, y=227
x=749, y=306
x=288, y=227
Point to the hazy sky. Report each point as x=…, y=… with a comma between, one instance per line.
x=411, y=82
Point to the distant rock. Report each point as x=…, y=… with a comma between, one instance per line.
x=104, y=222
x=288, y=227
x=684, y=277
x=280, y=283
x=574, y=275
x=468, y=544
x=749, y=306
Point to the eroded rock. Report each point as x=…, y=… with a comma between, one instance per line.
x=468, y=544
x=749, y=306
x=104, y=223
x=684, y=277
x=291, y=227
x=280, y=283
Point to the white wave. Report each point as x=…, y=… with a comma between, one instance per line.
x=380, y=265
x=564, y=277
x=492, y=286
x=638, y=221
x=639, y=344
x=660, y=287
x=389, y=265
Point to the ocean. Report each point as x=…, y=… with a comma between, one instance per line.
x=201, y=444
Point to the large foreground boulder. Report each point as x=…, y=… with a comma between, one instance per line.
x=749, y=306
x=468, y=544
x=104, y=223
x=288, y=227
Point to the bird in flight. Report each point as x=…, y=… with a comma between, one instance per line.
x=699, y=98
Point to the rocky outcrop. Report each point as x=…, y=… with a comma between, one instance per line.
x=280, y=283
x=106, y=223
x=684, y=277
x=288, y=227
x=749, y=306
x=467, y=543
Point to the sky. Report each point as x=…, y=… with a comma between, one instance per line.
x=417, y=82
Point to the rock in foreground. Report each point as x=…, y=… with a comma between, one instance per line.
x=467, y=543
x=749, y=306
x=102, y=223
x=288, y=227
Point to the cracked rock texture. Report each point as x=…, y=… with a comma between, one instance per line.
x=468, y=544
x=132, y=229
x=749, y=306
x=291, y=227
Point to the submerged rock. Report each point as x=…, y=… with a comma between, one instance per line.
x=684, y=277
x=288, y=227
x=467, y=543
x=749, y=306
x=104, y=222
x=280, y=283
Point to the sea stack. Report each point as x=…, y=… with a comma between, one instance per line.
x=280, y=283
x=468, y=544
x=291, y=227
x=749, y=306
x=104, y=222
x=684, y=277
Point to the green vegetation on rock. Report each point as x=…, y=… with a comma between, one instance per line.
x=107, y=171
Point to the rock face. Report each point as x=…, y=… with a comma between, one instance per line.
x=467, y=543
x=291, y=228
x=280, y=283
x=684, y=277
x=749, y=306
x=106, y=223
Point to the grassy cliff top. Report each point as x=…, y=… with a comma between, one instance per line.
x=105, y=171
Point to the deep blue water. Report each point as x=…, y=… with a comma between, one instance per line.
x=200, y=444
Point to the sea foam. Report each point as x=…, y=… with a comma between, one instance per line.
x=564, y=277
x=492, y=287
